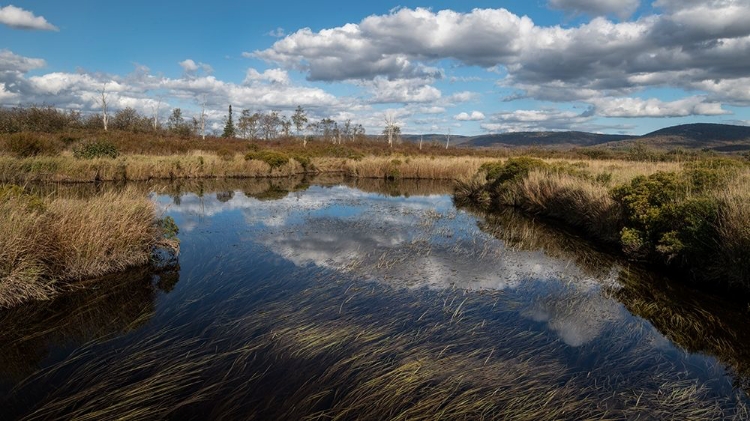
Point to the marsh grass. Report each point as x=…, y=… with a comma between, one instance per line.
x=201, y=164
x=286, y=342
x=691, y=218
x=50, y=242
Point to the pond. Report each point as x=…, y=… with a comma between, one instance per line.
x=364, y=299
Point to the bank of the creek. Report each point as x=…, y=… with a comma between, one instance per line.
x=363, y=299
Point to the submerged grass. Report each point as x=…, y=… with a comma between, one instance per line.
x=303, y=354
x=48, y=243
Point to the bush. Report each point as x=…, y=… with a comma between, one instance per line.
x=304, y=161
x=666, y=221
x=272, y=158
x=25, y=145
x=97, y=149
x=513, y=169
x=708, y=174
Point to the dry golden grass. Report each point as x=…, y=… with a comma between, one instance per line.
x=734, y=228
x=199, y=164
x=575, y=201
x=433, y=168
x=71, y=239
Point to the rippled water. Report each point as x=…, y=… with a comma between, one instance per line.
x=372, y=300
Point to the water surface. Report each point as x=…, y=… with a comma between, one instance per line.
x=338, y=299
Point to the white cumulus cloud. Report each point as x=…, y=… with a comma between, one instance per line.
x=18, y=18
x=474, y=116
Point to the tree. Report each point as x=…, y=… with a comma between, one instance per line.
x=248, y=125
x=390, y=128
x=176, y=124
x=103, y=101
x=347, y=130
x=156, y=112
x=269, y=125
x=358, y=132
x=126, y=119
x=448, y=139
x=286, y=126
x=299, y=119
x=328, y=127
x=203, y=117
x=175, y=120
x=229, y=126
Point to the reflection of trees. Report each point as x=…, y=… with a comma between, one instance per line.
x=108, y=306
x=396, y=188
x=694, y=320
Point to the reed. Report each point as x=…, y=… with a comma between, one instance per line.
x=50, y=242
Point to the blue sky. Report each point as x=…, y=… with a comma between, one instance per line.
x=612, y=66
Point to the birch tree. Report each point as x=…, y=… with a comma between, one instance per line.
x=103, y=102
x=389, y=128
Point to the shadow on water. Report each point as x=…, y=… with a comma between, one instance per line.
x=359, y=299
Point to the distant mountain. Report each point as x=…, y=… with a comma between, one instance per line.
x=717, y=137
x=554, y=140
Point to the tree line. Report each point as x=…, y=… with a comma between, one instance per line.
x=249, y=125
x=273, y=125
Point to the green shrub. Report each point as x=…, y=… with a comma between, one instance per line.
x=272, y=158
x=513, y=169
x=604, y=178
x=708, y=174
x=666, y=221
x=96, y=149
x=304, y=161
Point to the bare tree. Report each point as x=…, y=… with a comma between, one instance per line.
x=421, y=138
x=389, y=128
x=269, y=125
x=448, y=138
x=156, y=112
x=203, y=117
x=249, y=124
x=103, y=101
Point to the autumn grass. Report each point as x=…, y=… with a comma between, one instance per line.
x=204, y=164
x=691, y=218
x=49, y=243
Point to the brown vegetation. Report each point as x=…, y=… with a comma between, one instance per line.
x=691, y=218
x=47, y=243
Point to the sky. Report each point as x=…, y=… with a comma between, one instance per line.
x=468, y=67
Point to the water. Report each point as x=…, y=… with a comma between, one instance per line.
x=372, y=300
